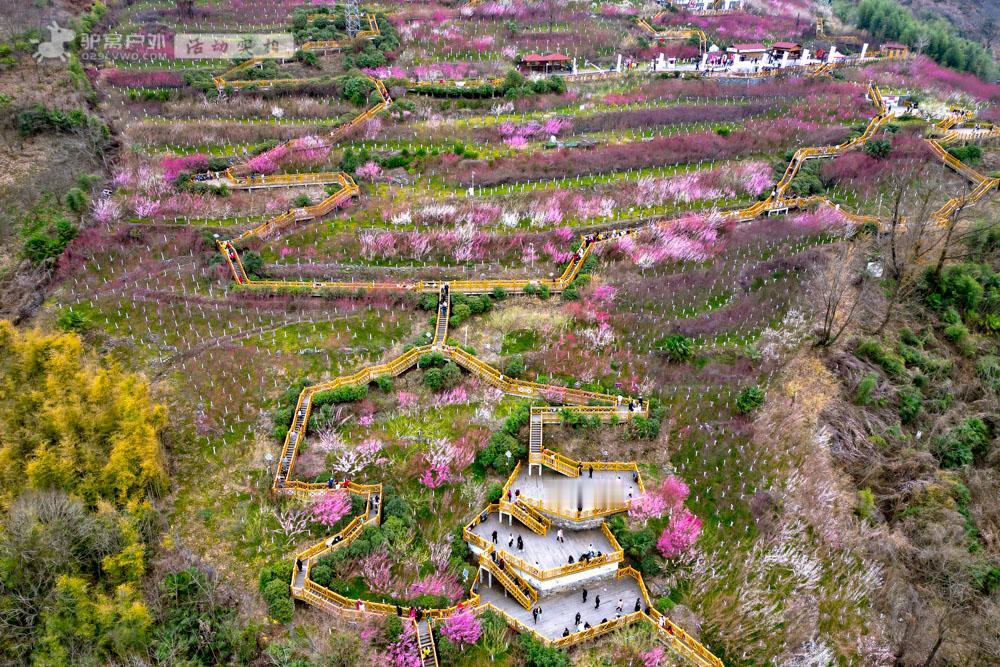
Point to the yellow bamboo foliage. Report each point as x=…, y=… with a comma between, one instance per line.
x=83, y=621
x=76, y=423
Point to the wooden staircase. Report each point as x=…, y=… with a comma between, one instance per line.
x=523, y=592
x=425, y=645
x=528, y=516
x=535, y=439
x=443, y=313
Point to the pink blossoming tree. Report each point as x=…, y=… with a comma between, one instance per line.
x=462, y=628
x=680, y=534
x=332, y=507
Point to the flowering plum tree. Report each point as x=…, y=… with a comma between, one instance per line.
x=332, y=507
x=462, y=628
x=680, y=534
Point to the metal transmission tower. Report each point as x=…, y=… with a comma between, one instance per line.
x=352, y=13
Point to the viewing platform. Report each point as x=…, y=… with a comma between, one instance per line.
x=574, y=499
x=559, y=609
x=544, y=560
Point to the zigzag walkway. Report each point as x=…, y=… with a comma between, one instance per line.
x=525, y=498
x=982, y=184
x=775, y=203
x=498, y=563
x=675, y=33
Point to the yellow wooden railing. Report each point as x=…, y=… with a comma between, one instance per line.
x=844, y=39
x=523, y=592
x=675, y=33
x=335, y=44
x=533, y=521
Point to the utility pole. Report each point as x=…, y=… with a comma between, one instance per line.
x=352, y=14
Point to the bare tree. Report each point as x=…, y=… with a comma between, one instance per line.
x=910, y=236
x=833, y=292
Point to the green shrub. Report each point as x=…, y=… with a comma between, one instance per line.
x=431, y=360
x=480, y=304
x=958, y=334
x=253, y=263
x=872, y=350
x=280, y=571
x=76, y=200
x=307, y=58
x=516, y=420
x=865, y=388
x=969, y=153
x=446, y=377
x=537, y=654
x=961, y=444
x=494, y=493
x=281, y=609
x=865, y=507
x=38, y=118
x=932, y=366
x=428, y=301
x=910, y=403
x=459, y=314
x=47, y=233
x=749, y=399
x=988, y=580
x=571, y=293
x=384, y=383
x=677, y=347
x=955, y=332
x=643, y=428
x=321, y=574
x=907, y=336
x=988, y=369
x=346, y=394
x=495, y=454
x=356, y=89
x=71, y=319
x=301, y=200
x=958, y=285
x=878, y=148
x=515, y=366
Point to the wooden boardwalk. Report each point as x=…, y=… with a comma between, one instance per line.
x=566, y=495
x=559, y=609
x=542, y=551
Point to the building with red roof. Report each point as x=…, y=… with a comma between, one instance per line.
x=538, y=62
x=745, y=52
x=793, y=49
x=895, y=50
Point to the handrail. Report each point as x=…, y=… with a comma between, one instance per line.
x=522, y=591
x=526, y=516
